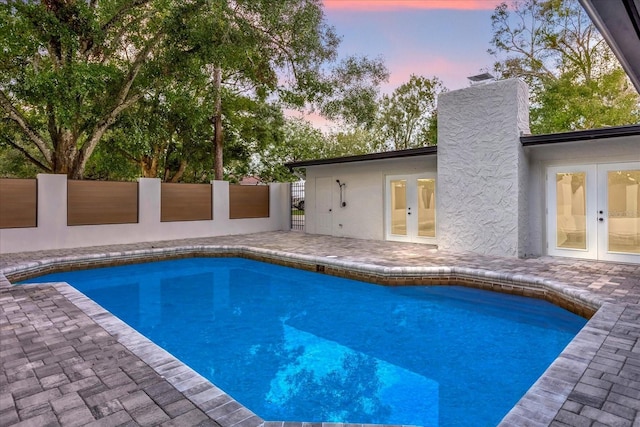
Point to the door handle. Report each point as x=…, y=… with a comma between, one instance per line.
x=600, y=219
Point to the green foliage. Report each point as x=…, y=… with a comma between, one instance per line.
x=301, y=141
x=355, y=89
x=565, y=104
x=252, y=130
x=408, y=116
x=575, y=80
x=69, y=69
x=108, y=164
x=13, y=165
x=136, y=77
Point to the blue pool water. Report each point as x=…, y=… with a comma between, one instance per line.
x=298, y=346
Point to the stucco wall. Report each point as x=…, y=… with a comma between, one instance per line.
x=482, y=168
x=363, y=216
x=596, y=151
x=52, y=231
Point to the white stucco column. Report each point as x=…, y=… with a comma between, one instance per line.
x=149, y=203
x=280, y=204
x=220, y=200
x=482, y=170
x=52, y=209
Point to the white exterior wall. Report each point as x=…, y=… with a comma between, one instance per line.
x=491, y=191
x=52, y=231
x=482, y=169
x=597, y=151
x=363, y=216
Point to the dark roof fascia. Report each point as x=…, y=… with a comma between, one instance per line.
x=580, y=135
x=412, y=152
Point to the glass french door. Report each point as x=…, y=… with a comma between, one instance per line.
x=593, y=211
x=411, y=208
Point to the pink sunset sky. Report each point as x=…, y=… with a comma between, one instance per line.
x=443, y=38
x=447, y=39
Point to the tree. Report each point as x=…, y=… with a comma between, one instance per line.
x=164, y=133
x=281, y=50
x=252, y=129
x=565, y=104
x=257, y=48
x=355, y=84
x=573, y=75
x=408, y=116
x=69, y=69
x=302, y=141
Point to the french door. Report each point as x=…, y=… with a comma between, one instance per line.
x=593, y=211
x=411, y=208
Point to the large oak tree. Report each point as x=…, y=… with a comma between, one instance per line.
x=575, y=80
x=71, y=69
x=68, y=69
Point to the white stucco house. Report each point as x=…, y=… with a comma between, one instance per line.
x=489, y=186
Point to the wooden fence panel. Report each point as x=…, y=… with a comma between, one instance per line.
x=102, y=202
x=18, y=203
x=248, y=201
x=186, y=202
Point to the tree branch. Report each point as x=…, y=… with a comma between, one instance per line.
x=121, y=12
x=51, y=124
x=28, y=155
x=31, y=133
x=123, y=101
x=178, y=175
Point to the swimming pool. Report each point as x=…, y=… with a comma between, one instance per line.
x=294, y=345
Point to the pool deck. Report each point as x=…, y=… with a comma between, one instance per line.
x=66, y=361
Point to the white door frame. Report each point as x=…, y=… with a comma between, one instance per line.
x=591, y=240
x=604, y=218
x=411, y=211
x=596, y=215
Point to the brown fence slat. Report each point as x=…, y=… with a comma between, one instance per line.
x=186, y=202
x=102, y=202
x=248, y=201
x=18, y=203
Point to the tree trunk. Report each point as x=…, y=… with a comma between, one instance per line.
x=218, y=165
x=149, y=166
x=178, y=175
x=65, y=154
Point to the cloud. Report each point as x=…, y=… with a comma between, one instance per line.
x=383, y=5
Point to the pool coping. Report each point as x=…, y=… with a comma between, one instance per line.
x=539, y=405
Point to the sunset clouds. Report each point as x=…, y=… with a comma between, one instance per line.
x=378, y=5
x=445, y=43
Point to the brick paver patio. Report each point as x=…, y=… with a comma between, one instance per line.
x=65, y=361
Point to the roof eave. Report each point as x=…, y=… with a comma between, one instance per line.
x=412, y=152
x=581, y=135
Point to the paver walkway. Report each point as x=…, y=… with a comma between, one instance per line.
x=64, y=364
